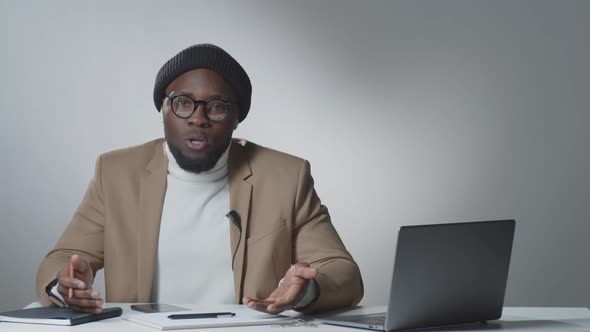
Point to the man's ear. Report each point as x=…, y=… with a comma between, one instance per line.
x=161, y=110
x=236, y=121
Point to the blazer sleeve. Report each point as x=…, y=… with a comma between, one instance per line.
x=317, y=243
x=83, y=236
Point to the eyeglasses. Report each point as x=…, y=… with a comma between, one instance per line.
x=215, y=109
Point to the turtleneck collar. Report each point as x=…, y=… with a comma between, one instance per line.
x=218, y=172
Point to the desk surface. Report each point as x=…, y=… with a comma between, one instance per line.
x=513, y=319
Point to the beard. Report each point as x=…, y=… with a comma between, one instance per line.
x=198, y=165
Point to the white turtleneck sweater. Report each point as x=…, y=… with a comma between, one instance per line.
x=194, y=255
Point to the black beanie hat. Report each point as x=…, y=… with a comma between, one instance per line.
x=211, y=57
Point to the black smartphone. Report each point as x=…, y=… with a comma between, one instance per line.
x=156, y=307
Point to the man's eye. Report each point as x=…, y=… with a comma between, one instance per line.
x=182, y=102
x=216, y=106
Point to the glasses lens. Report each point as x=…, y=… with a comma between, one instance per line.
x=217, y=109
x=183, y=106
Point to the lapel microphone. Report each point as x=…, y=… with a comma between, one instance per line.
x=234, y=218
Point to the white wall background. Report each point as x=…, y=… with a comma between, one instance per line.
x=409, y=112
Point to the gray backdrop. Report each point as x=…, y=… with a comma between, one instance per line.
x=410, y=112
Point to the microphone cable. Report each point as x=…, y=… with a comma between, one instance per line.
x=234, y=217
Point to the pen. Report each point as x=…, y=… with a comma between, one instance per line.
x=70, y=291
x=203, y=315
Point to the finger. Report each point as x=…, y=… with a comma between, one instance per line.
x=90, y=294
x=268, y=300
x=80, y=265
x=81, y=269
x=259, y=302
x=85, y=303
x=65, y=272
x=64, y=288
x=68, y=282
x=293, y=280
x=247, y=300
x=277, y=308
x=288, y=299
x=259, y=305
x=303, y=270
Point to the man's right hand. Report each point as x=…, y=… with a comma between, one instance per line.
x=84, y=297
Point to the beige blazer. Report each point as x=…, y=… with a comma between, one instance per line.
x=116, y=227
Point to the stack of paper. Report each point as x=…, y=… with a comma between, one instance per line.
x=243, y=317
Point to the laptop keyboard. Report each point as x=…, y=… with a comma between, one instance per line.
x=373, y=319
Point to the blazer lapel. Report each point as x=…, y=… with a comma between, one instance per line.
x=240, y=195
x=152, y=189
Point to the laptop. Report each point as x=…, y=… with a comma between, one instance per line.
x=443, y=274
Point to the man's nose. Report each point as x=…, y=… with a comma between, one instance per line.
x=199, y=117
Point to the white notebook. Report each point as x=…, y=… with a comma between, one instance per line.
x=243, y=317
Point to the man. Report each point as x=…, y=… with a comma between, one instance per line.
x=154, y=215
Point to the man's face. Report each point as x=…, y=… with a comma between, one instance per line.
x=197, y=142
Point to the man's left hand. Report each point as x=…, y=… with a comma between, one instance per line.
x=290, y=290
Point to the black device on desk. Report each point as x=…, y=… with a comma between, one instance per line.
x=56, y=316
x=156, y=307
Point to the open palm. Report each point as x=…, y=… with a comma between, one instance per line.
x=289, y=291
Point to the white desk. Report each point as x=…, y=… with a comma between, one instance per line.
x=513, y=319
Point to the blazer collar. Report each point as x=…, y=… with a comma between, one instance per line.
x=239, y=171
x=152, y=188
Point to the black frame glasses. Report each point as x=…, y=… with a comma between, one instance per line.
x=209, y=105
